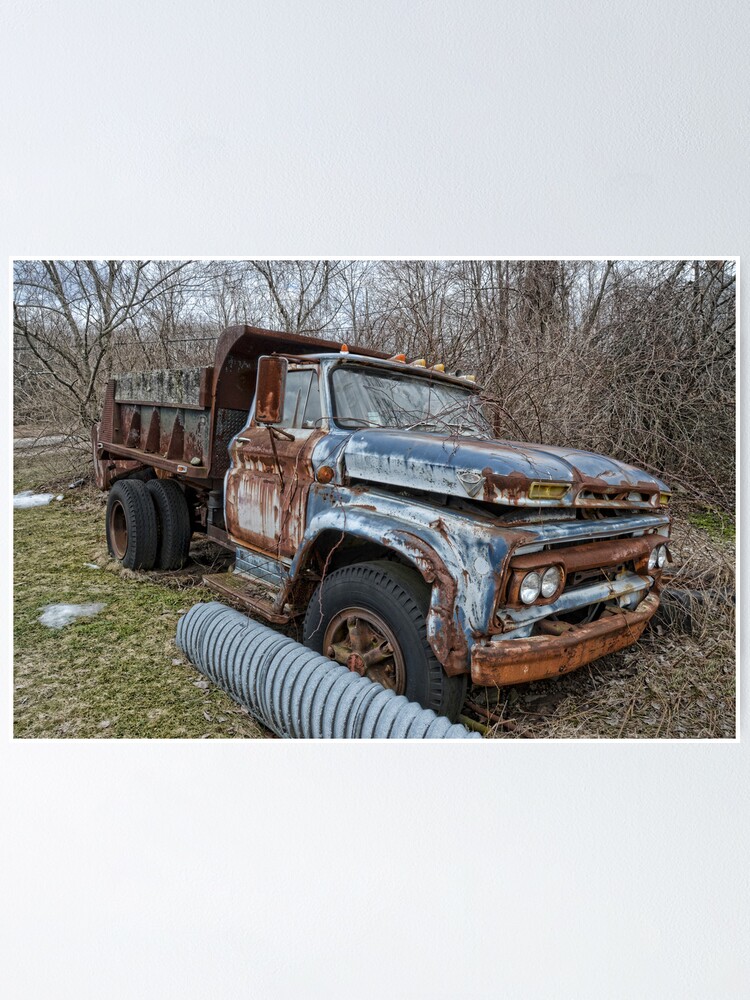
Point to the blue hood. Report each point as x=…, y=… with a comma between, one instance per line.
x=496, y=471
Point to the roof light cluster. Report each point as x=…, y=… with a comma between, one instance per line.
x=422, y=363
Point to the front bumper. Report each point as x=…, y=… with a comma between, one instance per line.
x=516, y=661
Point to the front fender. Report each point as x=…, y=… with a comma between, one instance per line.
x=459, y=555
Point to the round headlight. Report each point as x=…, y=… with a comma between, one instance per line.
x=653, y=557
x=530, y=587
x=661, y=556
x=551, y=581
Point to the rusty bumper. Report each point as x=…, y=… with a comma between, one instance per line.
x=516, y=661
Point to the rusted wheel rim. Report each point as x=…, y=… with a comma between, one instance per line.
x=360, y=640
x=118, y=530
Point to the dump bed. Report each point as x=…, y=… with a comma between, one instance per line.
x=182, y=420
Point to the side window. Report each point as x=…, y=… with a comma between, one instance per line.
x=312, y=415
x=302, y=400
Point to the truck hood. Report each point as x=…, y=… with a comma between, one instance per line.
x=497, y=471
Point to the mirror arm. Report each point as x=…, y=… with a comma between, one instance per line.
x=279, y=432
x=276, y=455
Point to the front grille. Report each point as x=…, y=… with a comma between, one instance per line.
x=585, y=576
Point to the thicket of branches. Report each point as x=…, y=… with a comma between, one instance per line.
x=632, y=358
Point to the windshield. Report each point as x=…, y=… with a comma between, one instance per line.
x=371, y=397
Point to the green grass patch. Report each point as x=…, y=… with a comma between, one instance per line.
x=113, y=675
x=721, y=527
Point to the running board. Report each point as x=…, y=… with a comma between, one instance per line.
x=248, y=593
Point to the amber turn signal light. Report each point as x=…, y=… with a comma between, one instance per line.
x=324, y=474
x=548, y=491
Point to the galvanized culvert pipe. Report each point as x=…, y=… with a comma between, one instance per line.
x=295, y=692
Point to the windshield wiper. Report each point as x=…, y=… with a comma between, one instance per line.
x=357, y=421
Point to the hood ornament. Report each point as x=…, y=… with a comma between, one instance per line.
x=472, y=482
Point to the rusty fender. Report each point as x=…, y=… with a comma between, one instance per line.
x=461, y=557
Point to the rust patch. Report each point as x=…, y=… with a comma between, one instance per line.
x=257, y=473
x=594, y=555
x=514, y=485
x=516, y=661
x=448, y=641
x=585, y=491
x=269, y=401
x=107, y=469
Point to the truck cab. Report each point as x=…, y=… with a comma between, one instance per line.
x=368, y=498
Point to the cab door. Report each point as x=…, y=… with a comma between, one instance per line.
x=270, y=474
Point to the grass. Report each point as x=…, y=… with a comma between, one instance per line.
x=120, y=674
x=719, y=526
x=667, y=685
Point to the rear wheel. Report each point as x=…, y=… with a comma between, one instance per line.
x=173, y=518
x=371, y=617
x=131, y=524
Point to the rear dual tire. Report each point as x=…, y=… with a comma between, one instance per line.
x=173, y=518
x=148, y=524
x=132, y=528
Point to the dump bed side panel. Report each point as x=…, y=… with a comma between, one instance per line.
x=189, y=388
x=159, y=418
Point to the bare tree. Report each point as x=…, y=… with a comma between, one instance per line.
x=66, y=313
x=631, y=358
x=301, y=292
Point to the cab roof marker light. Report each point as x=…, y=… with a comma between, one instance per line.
x=420, y=363
x=440, y=367
x=344, y=349
x=398, y=357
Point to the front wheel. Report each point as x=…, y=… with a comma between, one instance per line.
x=371, y=617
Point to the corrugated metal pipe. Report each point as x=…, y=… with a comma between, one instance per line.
x=296, y=693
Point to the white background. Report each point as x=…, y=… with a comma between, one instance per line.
x=270, y=869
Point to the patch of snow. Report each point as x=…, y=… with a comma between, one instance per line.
x=59, y=615
x=91, y=566
x=27, y=498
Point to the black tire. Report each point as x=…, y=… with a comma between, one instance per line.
x=173, y=518
x=132, y=534
x=400, y=597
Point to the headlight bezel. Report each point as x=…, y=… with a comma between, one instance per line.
x=519, y=578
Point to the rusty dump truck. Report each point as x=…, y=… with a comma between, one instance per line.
x=368, y=497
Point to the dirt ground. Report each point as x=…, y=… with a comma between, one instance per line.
x=119, y=673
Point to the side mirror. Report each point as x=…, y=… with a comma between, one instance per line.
x=271, y=389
